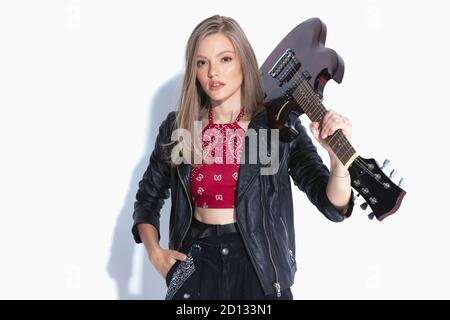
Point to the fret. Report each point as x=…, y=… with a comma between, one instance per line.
x=315, y=110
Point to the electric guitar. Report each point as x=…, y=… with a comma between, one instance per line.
x=294, y=76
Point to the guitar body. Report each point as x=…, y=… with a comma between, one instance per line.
x=307, y=40
x=294, y=77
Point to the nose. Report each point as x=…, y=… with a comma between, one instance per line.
x=212, y=71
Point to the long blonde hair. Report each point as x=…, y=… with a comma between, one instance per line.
x=193, y=102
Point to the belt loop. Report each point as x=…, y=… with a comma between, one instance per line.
x=218, y=230
x=197, y=248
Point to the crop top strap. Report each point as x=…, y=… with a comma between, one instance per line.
x=210, y=117
x=241, y=113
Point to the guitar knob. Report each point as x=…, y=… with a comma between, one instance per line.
x=401, y=182
x=371, y=215
x=393, y=173
x=364, y=205
x=386, y=163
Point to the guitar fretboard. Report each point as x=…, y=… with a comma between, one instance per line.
x=314, y=109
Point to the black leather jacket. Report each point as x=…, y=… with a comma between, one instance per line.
x=263, y=203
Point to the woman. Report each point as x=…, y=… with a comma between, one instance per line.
x=231, y=228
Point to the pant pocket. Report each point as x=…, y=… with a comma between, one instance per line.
x=171, y=271
x=184, y=283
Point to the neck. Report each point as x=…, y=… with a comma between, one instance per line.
x=222, y=114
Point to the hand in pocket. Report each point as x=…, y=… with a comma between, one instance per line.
x=164, y=259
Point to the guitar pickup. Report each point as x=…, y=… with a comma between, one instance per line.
x=285, y=68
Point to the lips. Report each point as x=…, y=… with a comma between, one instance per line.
x=216, y=85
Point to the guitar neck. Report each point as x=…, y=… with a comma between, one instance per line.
x=315, y=110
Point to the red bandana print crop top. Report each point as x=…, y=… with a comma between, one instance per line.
x=214, y=181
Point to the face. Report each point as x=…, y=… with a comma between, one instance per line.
x=219, y=69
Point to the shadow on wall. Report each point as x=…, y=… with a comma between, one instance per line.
x=120, y=265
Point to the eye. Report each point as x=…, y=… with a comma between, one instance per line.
x=227, y=59
x=200, y=63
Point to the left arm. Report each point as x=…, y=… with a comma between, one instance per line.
x=339, y=184
x=338, y=187
x=311, y=175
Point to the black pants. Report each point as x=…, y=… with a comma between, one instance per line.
x=217, y=267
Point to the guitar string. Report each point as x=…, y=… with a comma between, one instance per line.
x=346, y=145
x=347, y=148
x=303, y=83
x=336, y=140
x=314, y=98
x=358, y=160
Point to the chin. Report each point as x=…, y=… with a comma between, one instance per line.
x=219, y=97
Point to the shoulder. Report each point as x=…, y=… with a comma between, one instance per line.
x=169, y=122
x=171, y=116
x=260, y=119
x=166, y=127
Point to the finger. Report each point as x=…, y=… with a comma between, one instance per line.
x=314, y=127
x=178, y=255
x=335, y=126
x=347, y=128
x=314, y=124
x=344, y=124
x=347, y=134
x=172, y=260
x=327, y=115
x=165, y=272
x=329, y=127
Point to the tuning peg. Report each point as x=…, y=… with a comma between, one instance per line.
x=386, y=163
x=364, y=205
x=393, y=173
x=401, y=182
x=371, y=215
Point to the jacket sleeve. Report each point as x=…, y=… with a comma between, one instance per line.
x=154, y=186
x=311, y=175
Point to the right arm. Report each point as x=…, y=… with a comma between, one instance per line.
x=154, y=185
x=161, y=259
x=150, y=197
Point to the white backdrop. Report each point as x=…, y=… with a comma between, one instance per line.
x=84, y=86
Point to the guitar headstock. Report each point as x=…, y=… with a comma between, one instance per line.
x=379, y=191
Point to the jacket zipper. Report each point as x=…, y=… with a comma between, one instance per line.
x=276, y=284
x=190, y=207
x=284, y=227
x=245, y=243
x=291, y=255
